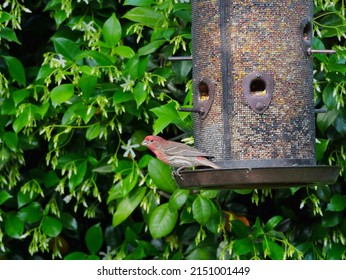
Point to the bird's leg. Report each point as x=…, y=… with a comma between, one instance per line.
x=176, y=172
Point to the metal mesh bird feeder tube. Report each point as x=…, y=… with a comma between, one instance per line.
x=253, y=95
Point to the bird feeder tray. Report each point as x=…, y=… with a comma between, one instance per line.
x=257, y=178
x=253, y=95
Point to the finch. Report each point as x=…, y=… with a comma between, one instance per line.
x=177, y=154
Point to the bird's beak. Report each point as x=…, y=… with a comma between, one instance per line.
x=144, y=143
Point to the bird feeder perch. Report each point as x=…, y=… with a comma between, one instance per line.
x=253, y=95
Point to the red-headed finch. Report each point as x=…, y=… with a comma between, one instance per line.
x=177, y=154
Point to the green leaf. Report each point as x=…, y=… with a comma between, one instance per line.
x=123, y=187
x=144, y=161
x=186, y=217
x=321, y=147
x=142, y=66
x=121, y=97
x=95, y=57
x=336, y=251
x=8, y=107
x=87, y=84
x=340, y=123
x=182, y=70
x=68, y=221
x=127, y=205
x=87, y=113
x=14, y=227
x=178, y=199
x=4, y=16
x=242, y=246
x=140, y=94
x=328, y=98
x=94, y=238
x=72, y=113
x=104, y=168
x=93, y=257
x=183, y=11
x=50, y=179
x=167, y=114
x=324, y=120
x=330, y=21
x=202, y=210
x=67, y=159
x=324, y=193
x=331, y=219
x=162, y=221
x=93, y=132
x=215, y=219
x=60, y=16
x=9, y=35
x=130, y=235
x=124, y=51
x=44, y=72
x=61, y=93
x=51, y=226
x=53, y=5
x=272, y=223
x=40, y=110
x=304, y=247
x=21, y=121
x=337, y=67
x=209, y=193
x=20, y=95
x=76, y=256
x=146, y=16
x=77, y=178
x=131, y=67
x=11, y=140
x=112, y=31
x=337, y=203
x=272, y=249
x=240, y=229
x=4, y=196
x=137, y=138
x=16, y=69
x=66, y=47
x=31, y=213
x=200, y=254
x=24, y=198
x=138, y=3
x=161, y=174
x=317, y=44
x=151, y=47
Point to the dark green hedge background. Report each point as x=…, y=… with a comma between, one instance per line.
x=82, y=82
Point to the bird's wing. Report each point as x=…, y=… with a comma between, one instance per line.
x=185, y=150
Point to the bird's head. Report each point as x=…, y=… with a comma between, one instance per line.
x=152, y=141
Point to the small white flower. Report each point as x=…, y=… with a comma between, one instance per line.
x=58, y=62
x=88, y=26
x=128, y=85
x=301, y=206
x=129, y=149
x=67, y=199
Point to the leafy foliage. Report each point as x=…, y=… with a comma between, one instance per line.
x=82, y=83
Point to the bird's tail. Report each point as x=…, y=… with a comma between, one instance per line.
x=212, y=165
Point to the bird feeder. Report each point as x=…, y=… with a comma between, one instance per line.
x=253, y=95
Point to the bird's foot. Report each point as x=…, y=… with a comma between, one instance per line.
x=248, y=170
x=176, y=173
